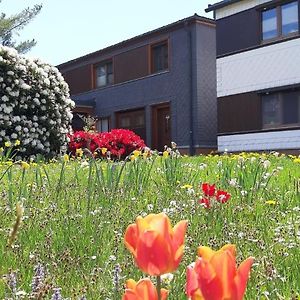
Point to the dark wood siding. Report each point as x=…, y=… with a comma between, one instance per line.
x=79, y=79
x=238, y=32
x=239, y=113
x=130, y=65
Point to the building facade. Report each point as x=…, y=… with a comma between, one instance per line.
x=258, y=74
x=161, y=85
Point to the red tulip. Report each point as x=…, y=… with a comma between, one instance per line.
x=216, y=277
x=209, y=189
x=155, y=245
x=222, y=196
x=143, y=290
x=205, y=202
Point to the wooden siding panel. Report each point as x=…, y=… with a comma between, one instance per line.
x=239, y=113
x=131, y=65
x=79, y=79
x=238, y=32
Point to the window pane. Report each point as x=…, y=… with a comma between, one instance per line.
x=289, y=18
x=101, y=81
x=160, y=57
x=269, y=24
x=290, y=107
x=104, y=125
x=125, y=122
x=109, y=78
x=271, y=110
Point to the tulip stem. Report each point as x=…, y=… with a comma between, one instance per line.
x=158, y=287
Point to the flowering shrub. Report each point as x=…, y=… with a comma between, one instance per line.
x=118, y=143
x=35, y=107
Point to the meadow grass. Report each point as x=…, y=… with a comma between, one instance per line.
x=76, y=213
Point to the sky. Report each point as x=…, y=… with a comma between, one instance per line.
x=67, y=29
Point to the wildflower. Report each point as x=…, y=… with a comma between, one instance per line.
x=271, y=202
x=143, y=289
x=116, y=279
x=57, y=294
x=38, y=278
x=167, y=278
x=215, y=275
x=222, y=196
x=209, y=189
x=79, y=152
x=66, y=158
x=17, y=143
x=25, y=165
x=297, y=160
x=155, y=245
x=205, y=202
x=103, y=151
x=165, y=154
x=7, y=144
x=136, y=153
x=187, y=186
x=132, y=157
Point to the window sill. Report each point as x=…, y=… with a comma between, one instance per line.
x=279, y=39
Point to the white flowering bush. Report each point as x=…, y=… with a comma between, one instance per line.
x=35, y=105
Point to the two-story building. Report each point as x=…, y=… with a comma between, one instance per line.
x=161, y=85
x=258, y=74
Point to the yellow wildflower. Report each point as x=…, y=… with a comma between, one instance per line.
x=136, y=153
x=79, y=152
x=132, y=157
x=297, y=160
x=66, y=158
x=165, y=154
x=103, y=151
x=187, y=186
x=271, y=202
x=17, y=143
x=25, y=165
x=7, y=144
x=1, y=149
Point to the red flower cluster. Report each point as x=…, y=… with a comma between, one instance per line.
x=210, y=192
x=118, y=142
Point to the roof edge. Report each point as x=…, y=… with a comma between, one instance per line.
x=221, y=4
x=192, y=18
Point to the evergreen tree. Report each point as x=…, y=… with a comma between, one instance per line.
x=11, y=25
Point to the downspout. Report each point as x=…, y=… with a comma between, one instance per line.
x=191, y=123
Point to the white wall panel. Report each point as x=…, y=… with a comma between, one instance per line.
x=267, y=67
x=276, y=140
x=237, y=7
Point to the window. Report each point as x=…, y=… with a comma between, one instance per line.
x=280, y=109
x=104, y=74
x=103, y=125
x=280, y=21
x=133, y=120
x=159, y=57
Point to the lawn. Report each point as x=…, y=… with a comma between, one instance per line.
x=76, y=212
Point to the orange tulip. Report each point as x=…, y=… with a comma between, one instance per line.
x=216, y=277
x=143, y=290
x=155, y=245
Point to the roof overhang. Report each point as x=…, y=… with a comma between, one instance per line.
x=213, y=7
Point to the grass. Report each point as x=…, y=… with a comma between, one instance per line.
x=76, y=213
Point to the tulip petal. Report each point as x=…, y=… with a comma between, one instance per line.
x=130, y=284
x=129, y=295
x=191, y=281
x=179, y=231
x=145, y=290
x=224, y=265
x=209, y=283
x=229, y=247
x=164, y=294
x=242, y=277
x=205, y=252
x=130, y=238
x=154, y=255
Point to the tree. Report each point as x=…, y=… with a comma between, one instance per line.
x=11, y=25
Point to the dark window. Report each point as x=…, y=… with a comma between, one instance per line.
x=159, y=57
x=280, y=21
x=103, y=74
x=133, y=120
x=281, y=109
x=103, y=125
